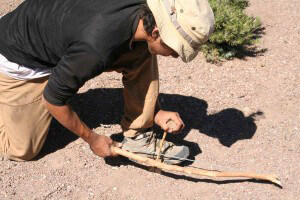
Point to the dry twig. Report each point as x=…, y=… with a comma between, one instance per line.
x=197, y=171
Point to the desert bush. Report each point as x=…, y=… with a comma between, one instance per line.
x=234, y=30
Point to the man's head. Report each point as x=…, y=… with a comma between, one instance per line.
x=155, y=43
x=177, y=27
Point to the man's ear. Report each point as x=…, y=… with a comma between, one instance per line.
x=155, y=33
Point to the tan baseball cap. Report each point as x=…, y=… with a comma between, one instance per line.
x=183, y=24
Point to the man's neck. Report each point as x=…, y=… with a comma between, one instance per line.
x=140, y=33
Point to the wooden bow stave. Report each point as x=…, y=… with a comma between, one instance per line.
x=203, y=172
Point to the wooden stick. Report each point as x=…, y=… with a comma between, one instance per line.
x=189, y=170
x=160, y=146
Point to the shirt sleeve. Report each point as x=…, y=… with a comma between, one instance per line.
x=80, y=64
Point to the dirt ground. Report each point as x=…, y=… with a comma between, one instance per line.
x=241, y=116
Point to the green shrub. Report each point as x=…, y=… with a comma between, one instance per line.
x=234, y=30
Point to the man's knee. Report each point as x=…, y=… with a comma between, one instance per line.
x=22, y=155
x=15, y=147
x=22, y=151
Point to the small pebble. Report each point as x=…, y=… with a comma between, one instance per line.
x=91, y=194
x=246, y=110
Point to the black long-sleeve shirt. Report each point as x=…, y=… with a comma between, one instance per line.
x=79, y=39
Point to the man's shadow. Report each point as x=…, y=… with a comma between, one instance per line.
x=228, y=125
x=104, y=106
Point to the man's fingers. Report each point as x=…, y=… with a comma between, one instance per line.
x=110, y=144
x=109, y=141
x=115, y=144
x=177, y=125
x=165, y=127
x=178, y=116
x=165, y=118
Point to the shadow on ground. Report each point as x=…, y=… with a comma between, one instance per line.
x=228, y=125
x=243, y=52
x=104, y=106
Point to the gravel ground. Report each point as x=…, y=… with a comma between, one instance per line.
x=240, y=116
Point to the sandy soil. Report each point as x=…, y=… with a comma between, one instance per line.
x=241, y=116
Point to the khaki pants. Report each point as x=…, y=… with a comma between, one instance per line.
x=24, y=121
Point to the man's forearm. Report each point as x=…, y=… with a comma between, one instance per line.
x=69, y=119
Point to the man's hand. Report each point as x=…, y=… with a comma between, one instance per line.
x=163, y=117
x=101, y=145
